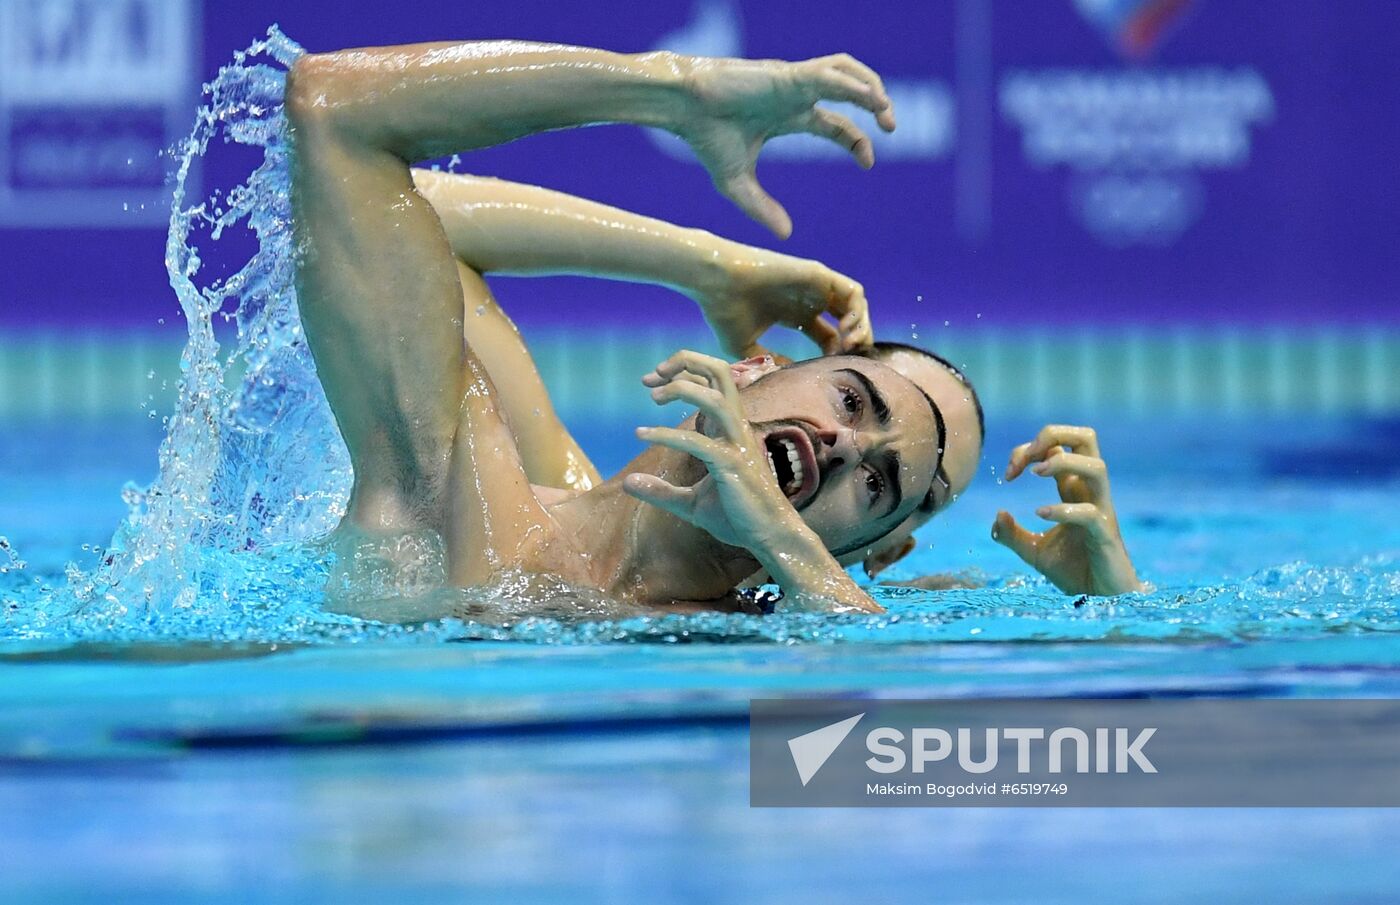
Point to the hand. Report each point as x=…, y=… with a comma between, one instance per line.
x=737, y=105
x=756, y=289
x=739, y=502
x=1084, y=552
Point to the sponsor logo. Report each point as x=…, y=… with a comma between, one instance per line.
x=1136, y=140
x=92, y=92
x=1135, y=28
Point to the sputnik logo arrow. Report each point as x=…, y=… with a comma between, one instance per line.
x=811, y=751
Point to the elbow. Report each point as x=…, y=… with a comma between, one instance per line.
x=307, y=97
x=323, y=103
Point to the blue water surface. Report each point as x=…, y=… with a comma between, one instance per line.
x=610, y=765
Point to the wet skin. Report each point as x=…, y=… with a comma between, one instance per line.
x=383, y=298
x=386, y=272
x=848, y=440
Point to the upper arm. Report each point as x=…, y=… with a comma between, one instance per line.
x=551, y=456
x=381, y=303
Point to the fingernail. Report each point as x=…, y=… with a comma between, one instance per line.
x=1040, y=469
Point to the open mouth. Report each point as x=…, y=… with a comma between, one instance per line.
x=794, y=463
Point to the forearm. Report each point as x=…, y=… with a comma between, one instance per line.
x=551, y=456
x=504, y=227
x=425, y=100
x=797, y=560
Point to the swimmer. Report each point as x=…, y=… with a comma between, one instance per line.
x=461, y=469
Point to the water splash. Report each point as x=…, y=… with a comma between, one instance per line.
x=251, y=460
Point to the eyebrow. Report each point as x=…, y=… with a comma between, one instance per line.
x=882, y=414
x=896, y=491
x=940, y=474
x=877, y=401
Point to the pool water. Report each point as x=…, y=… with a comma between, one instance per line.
x=609, y=763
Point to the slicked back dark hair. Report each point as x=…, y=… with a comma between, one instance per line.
x=884, y=349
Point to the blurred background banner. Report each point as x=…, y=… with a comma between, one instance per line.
x=1136, y=205
x=1110, y=161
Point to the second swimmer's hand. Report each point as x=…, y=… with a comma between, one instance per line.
x=734, y=106
x=1084, y=552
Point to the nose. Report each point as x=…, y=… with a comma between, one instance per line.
x=839, y=449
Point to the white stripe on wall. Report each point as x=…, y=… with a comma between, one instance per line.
x=1055, y=373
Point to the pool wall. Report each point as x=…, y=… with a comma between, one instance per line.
x=1081, y=371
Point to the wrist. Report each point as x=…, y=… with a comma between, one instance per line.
x=669, y=73
x=793, y=553
x=795, y=557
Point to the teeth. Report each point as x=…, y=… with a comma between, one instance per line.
x=796, y=464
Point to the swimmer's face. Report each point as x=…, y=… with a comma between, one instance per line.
x=852, y=443
x=960, y=457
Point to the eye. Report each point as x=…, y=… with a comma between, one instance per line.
x=852, y=403
x=874, y=483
